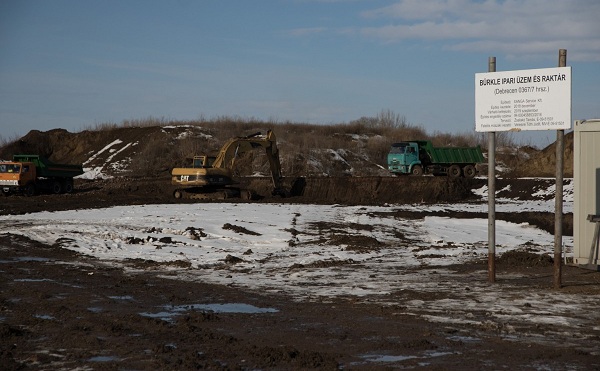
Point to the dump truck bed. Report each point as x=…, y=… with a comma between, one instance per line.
x=453, y=155
x=46, y=168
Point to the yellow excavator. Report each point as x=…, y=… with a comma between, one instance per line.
x=212, y=177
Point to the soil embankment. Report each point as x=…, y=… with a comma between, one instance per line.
x=329, y=190
x=372, y=190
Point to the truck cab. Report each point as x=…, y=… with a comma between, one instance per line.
x=29, y=174
x=17, y=176
x=404, y=158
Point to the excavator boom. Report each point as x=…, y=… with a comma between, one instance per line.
x=210, y=179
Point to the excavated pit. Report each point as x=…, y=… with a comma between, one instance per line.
x=371, y=190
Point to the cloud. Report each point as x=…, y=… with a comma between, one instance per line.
x=426, y=31
x=327, y=1
x=415, y=9
x=511, y=26
x=307, y=31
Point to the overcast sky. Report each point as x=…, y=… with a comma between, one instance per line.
x=73, y=64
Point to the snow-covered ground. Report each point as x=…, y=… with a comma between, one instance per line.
x=318, y=252
x=277, y=237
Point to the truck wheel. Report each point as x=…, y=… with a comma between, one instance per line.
x=469, y=171
x=454, y=171
x=68, y=186
x=30, y=189
x=417, y=170
x=56, y=187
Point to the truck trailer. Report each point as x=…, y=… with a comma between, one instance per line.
x=420, y=157
x=29, y=174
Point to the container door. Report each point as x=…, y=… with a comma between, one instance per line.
x=587, y=190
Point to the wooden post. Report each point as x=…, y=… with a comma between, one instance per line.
x=492, y=194
x=558, y=212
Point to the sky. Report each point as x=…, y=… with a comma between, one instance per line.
x=76, y=64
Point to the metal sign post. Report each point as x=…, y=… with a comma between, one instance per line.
x=558, y=198
x=537, y=99
x=492, y=194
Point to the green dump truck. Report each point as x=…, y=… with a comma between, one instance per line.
x=30, y=174
x=420, y=157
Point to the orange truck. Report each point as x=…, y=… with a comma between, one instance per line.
x=30, y=174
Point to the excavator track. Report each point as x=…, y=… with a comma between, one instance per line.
x=220, y=194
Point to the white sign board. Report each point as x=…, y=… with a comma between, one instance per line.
x=538, y=99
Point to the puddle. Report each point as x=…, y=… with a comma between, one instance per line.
x=33, y=280
x=383, y=358
x=103, y=359
x=31, y=259
x=172, y=311
x=223, y=308
x=95, y=309
x=25, y=259
x=60, y=296
x=464, y=339
x=440, y=354
x=44, y=316
x=124, y=297
x=387, y=359
x=165, y=316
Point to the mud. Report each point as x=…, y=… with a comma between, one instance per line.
x=62, y=310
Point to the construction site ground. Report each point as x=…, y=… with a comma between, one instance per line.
x=80, y=314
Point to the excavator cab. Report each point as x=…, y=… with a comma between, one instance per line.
x=203, y=161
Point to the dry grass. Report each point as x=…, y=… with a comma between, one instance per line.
x=5, y=141
x=357, y=147
x=305, y=149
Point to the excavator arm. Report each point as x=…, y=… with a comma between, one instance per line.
x=235, y=147
x=220, y=172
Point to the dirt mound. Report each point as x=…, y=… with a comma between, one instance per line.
x=543, y=163
x=154, y=150
x=525, y=258
x=133, y=151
